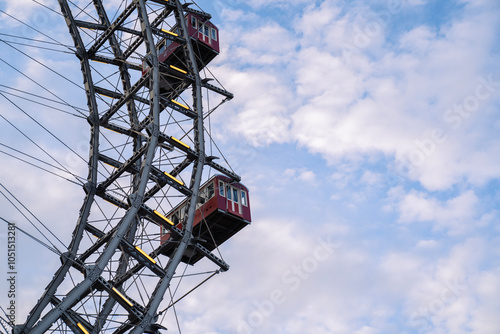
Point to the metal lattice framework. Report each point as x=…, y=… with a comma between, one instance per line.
x=147, y=154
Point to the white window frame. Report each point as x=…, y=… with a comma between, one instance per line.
x=222, y=187
x=236, y=195
x=244, y=197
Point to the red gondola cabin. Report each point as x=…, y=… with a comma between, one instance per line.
x=205, y=39
x=223, y=209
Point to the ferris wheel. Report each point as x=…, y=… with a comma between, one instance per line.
x=148, y=205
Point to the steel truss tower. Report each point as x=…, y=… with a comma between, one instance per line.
x=147, y=153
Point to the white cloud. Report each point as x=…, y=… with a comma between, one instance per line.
x=396, y=113
x=427, y=244
x=488, y=291
x=302, y=174
x=265, y=45
x=457, y=215
x=353, y=290
x=457, y=294
x=307, y=176
x=384, y=98
x=371, y=178
x=257, y=93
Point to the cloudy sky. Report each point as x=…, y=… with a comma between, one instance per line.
x=368, y=135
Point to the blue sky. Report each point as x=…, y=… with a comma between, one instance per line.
x=367, y=133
